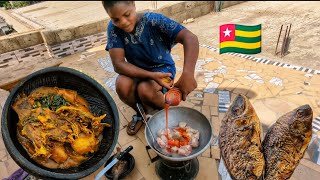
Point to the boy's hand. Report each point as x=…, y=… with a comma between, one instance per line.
x=163, y=79
x=186, y=84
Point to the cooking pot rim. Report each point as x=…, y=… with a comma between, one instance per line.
x=25, y=163
x=182, y=158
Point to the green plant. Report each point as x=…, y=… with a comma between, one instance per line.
x=7, y=5
x=18, y=4
x=2, y=3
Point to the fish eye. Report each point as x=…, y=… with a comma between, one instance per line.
x=300, y=114
x=235, y=110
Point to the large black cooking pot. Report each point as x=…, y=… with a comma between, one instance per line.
x=97, y=97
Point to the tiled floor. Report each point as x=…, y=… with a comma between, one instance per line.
x=272, y=90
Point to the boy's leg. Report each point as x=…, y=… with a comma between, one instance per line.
x=150, y=94
x=126, y=89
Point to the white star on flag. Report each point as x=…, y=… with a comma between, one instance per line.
x=226, y=32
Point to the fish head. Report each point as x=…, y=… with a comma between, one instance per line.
x=301, y=119
x=239, y=111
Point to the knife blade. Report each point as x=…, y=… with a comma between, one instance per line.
x=113, y=162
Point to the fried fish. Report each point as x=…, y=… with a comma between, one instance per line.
x=239, y=141
x=286, y=141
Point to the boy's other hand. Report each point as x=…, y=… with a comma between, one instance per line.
x=186, y=84
x=163, y=79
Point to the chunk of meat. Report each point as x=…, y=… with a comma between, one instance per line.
x=162, y=141
x=59, y=154
x=185, y=150
x=182, y=124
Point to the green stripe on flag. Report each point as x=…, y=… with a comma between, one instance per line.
x=247, y=39
x=240, y=50
x=248, y=28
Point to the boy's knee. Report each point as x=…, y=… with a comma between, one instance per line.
x=124, y=86
x=145, y=91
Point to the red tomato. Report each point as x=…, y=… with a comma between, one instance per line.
x=172, y=142
x=183, y=143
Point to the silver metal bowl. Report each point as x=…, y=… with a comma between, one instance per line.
x=192, y=117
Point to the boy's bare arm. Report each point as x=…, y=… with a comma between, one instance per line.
x=187, y=82
x=124, y=68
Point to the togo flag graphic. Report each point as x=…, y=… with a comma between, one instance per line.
x=240, y=39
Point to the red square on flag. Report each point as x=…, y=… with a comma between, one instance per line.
x=227, y=32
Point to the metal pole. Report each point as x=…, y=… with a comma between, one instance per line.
x=284, y=43
x=278, y=39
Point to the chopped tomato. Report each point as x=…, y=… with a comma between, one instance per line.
x=172, y=142
x=183, y=143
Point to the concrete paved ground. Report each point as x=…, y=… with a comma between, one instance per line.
x=304, y=49
x=63, y=14
x=272, y=90
x=304, y=46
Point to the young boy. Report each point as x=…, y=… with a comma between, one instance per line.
x=139, y=46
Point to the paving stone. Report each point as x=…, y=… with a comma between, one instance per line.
x=4, y=155
x=143, y=163
x=128, y=113
x=123, y=120
x=215, y=123
x=215, y=152
x=206, y=111
x=244, y=81
x=186, y=104
x=11, y=166
x=233, y=85
x=207, y=153
x=198, y=108
x=124, y=138
x=266, y=116
x=207, y=169
x=217, y=80
x=212, y=66
x=200, y=98
x=141, y=135
x=134, y=175
x=211, y=87
x=225, y=84
x=195, y=102
x=275, y=90
x=3, y=97
x=3, y=170
x=291, y=91
x=241, y=89
x=214, y=111
x=221, y=116
x=210, y=99
x=94, y=174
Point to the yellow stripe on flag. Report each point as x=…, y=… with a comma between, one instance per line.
x=248, y=33
x=240, y=45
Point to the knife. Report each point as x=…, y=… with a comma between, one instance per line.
x=113, y=162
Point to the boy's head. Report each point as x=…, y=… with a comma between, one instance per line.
x=122, y=13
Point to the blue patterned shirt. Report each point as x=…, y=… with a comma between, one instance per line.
x=150, y=46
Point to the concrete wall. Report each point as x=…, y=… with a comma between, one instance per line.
x=53, y=37
x=19, y=41
x=185, y=10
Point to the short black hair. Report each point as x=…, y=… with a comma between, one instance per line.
x=109, y=4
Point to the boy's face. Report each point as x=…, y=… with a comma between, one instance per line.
x=123, y=16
